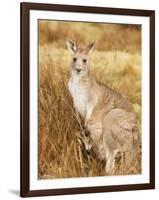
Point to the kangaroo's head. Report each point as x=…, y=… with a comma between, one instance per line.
x=80, y=57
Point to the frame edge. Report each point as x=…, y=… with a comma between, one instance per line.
x=24, y=100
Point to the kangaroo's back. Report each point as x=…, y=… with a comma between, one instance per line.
x=108, y=99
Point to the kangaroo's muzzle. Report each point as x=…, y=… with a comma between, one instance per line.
x=78, y=70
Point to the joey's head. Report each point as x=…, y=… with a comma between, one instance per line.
x=85, y=141
x=80, y=57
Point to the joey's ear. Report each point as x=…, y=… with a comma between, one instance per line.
x=71, y=45
x=90, y=47
x=79, y=134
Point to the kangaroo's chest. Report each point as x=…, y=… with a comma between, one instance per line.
x=80, y=96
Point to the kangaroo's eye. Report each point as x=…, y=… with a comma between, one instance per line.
x=74, y=59
x=84, y=60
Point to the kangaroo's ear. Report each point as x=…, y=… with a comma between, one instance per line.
x=71, y=45
x=90, y=47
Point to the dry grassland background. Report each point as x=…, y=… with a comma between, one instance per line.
x=116, y=61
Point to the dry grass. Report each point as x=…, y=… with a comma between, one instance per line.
x=59, y=152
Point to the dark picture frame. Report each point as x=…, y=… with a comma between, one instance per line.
x=25, y=93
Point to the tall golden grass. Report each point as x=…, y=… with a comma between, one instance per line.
x=115, y=62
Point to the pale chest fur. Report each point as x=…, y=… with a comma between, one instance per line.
x=80, y=96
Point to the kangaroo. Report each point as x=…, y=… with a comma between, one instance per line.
x=85, y=140
x=107, y=115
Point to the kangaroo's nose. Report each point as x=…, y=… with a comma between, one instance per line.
x=78, y=70
x=88, y=152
